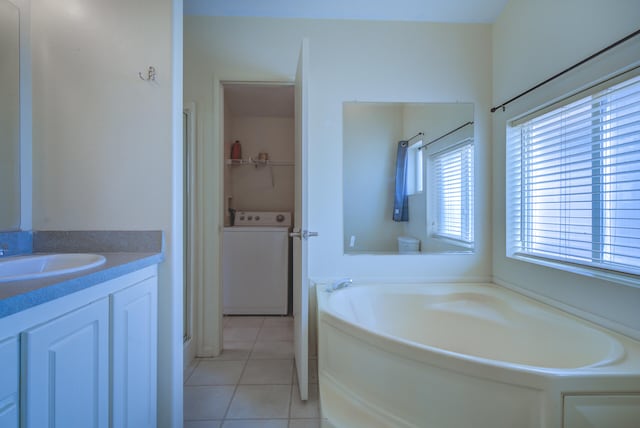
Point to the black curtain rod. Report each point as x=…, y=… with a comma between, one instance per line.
x=611, y=46
x=417, y=135
x=405, y=143
x=445, y=135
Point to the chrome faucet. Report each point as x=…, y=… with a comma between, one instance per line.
x=338, y=284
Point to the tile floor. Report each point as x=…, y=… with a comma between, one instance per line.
x=253, y=383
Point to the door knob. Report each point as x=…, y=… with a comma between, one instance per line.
x=306, y=234
x=295, y=234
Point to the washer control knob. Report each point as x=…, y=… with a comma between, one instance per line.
x=257, y=217
x=279, y=218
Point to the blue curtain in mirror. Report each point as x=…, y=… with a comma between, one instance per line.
x=400, y=199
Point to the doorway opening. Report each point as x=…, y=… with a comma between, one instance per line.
x=216, y=215
x=258, y=130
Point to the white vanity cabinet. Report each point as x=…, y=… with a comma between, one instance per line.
x=133, y=356
x=66, y=370
x=9, y=385
x=88, y=359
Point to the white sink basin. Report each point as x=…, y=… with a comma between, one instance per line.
x=40, y=266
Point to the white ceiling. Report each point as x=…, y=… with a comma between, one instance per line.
x=259, y=100
x=455, y=11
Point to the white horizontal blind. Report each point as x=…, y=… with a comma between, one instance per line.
x=574, y=181
x=453, y=178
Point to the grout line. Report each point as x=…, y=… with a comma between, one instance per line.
x=192, y=371
x=244, y=367
x=290, y=404
x=235, y=389
x=293, y=369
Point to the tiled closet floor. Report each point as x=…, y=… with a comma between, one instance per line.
x=253, y=383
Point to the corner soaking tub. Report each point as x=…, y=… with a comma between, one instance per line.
x=461, y=356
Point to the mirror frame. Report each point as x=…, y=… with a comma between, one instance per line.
x=25, y=116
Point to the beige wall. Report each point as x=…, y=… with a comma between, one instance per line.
x=101, y=150
x=262, y=188
x=371, y=133
x=531, y=42
x=9, y=116
x=107, y=145
x=351, y=61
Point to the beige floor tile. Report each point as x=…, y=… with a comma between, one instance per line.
x=267, y=372
x=305, y=423
x=271, y=334
x=272, y=350
x=202, y=424
x=189, y=370
x=216, y=372
x=260, y=402
x=235, y=351
x=305, y=409
x=278, y=322
x=256, y=423
x=240, y=334
x=206, y=402
x=257, y=363
x=243, y=321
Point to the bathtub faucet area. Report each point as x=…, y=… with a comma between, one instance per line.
x=338, y=284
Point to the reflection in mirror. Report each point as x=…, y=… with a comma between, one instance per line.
x=9, y=116
x=408, y=178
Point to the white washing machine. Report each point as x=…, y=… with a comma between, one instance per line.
x=255, y=263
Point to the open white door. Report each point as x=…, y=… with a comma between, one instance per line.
x=300, y=232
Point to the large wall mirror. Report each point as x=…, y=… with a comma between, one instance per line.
x=9, y=116
x=408, y=177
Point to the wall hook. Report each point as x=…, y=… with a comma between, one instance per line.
x=151, y=74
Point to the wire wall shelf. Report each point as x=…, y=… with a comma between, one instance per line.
x=258, y=162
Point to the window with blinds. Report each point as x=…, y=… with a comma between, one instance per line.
x=573, y=172
x=453, y=180
x=415, y=176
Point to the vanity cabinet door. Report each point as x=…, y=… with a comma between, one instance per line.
x=134, y=355
x=65, y=373
x=9, y=386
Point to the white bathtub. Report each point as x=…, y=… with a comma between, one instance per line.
x=449, y=356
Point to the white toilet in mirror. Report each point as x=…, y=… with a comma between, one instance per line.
x=408, y=245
